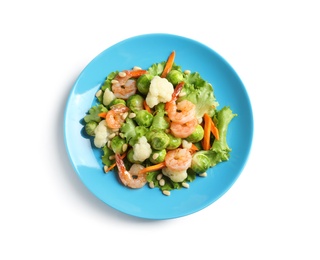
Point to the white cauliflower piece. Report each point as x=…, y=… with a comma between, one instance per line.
x=160, y=91
x=177, y=176
x=141, y=150
x=108, y=96
x=101, y=134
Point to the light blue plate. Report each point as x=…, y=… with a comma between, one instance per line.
x=143, y=51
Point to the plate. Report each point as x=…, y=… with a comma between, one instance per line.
x=143, y=51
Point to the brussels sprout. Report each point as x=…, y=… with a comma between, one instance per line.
x=135, y=103
x=200, y=162
x=159, y=140
x=157, y=156
x=151, y=132
x=174, y=142
x=117, y=101
x=197, y=135
x=117, y=144
x=130, y=157
x=89, y=128
x=175, y=77
x=143, y=83
x=143, y=118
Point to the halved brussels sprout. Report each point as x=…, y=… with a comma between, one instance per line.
x=159, y=140
x=143, y=118
x=135, y=103
x=117, y=144
x=143, y=83
x=197, y=135
x=200, y=162
x=158, y=156
x=175, y=77
x=89, y=128
x=174, y=142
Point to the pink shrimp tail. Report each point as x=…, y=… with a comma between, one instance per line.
x=120, y=163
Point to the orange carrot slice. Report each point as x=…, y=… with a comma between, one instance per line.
x=168, y=65
x=102, y=114
x=154, y=167
x=207, y=131
x=146, y=107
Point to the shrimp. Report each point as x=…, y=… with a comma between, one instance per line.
x=123, y=86
x=132, y=178
x=182, y=111
x=178, y=160
x=183, y=130
x=114, y=117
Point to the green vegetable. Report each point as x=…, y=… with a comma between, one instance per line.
x=135, y=103
x=159, y=140
x=175, y=77
x=200, y=93
x=143, y=83
x=197, y=134
x=220, y=147
x=117, y=101
x=174, y=142
x=93, y=113
x=90, y=126
x=158, y=156
x=200, y=162
x=117, y=144
x=143, y=118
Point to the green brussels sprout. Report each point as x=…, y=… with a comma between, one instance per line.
x=158, y=156
x=143, y=83
x=117, y=144
x=117, y=101
x=197, y=135
x=89, y=128
x=135, y=103
x=175, y=77
x=200, y=162
x=151, y=132
x=174, y=142
x=159, y=140
x=143, y=118
x=130, y=156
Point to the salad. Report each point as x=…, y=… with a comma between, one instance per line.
x=159, y=126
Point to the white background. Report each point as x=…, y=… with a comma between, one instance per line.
x=271, y=212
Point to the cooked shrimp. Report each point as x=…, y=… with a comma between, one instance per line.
x=185, y=129
x=132, y=178
x=114, y=117
x=178, y=159
x=126, y=90
x=123, y=86
x=182, y=111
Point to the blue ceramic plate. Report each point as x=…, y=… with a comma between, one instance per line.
x=143, y=51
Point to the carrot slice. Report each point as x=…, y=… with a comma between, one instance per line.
x=135, y=73
x=207, y=131
x=214, y=130
x=154, y=167
x=146, y=107
x=168, y=65
x=193, y=148
x=102, y=114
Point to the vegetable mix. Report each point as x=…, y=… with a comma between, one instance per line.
x=159, y=126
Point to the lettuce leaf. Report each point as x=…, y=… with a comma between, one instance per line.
x=200, y=93
x=220, y=147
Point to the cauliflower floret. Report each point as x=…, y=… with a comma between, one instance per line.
x=177, y=176
x=101, y=134
x=108, y=96
x=160, y=91
x=141, y=150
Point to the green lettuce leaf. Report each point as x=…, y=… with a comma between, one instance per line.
x=93, y=113
x=220, y=147
x=200, y=93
